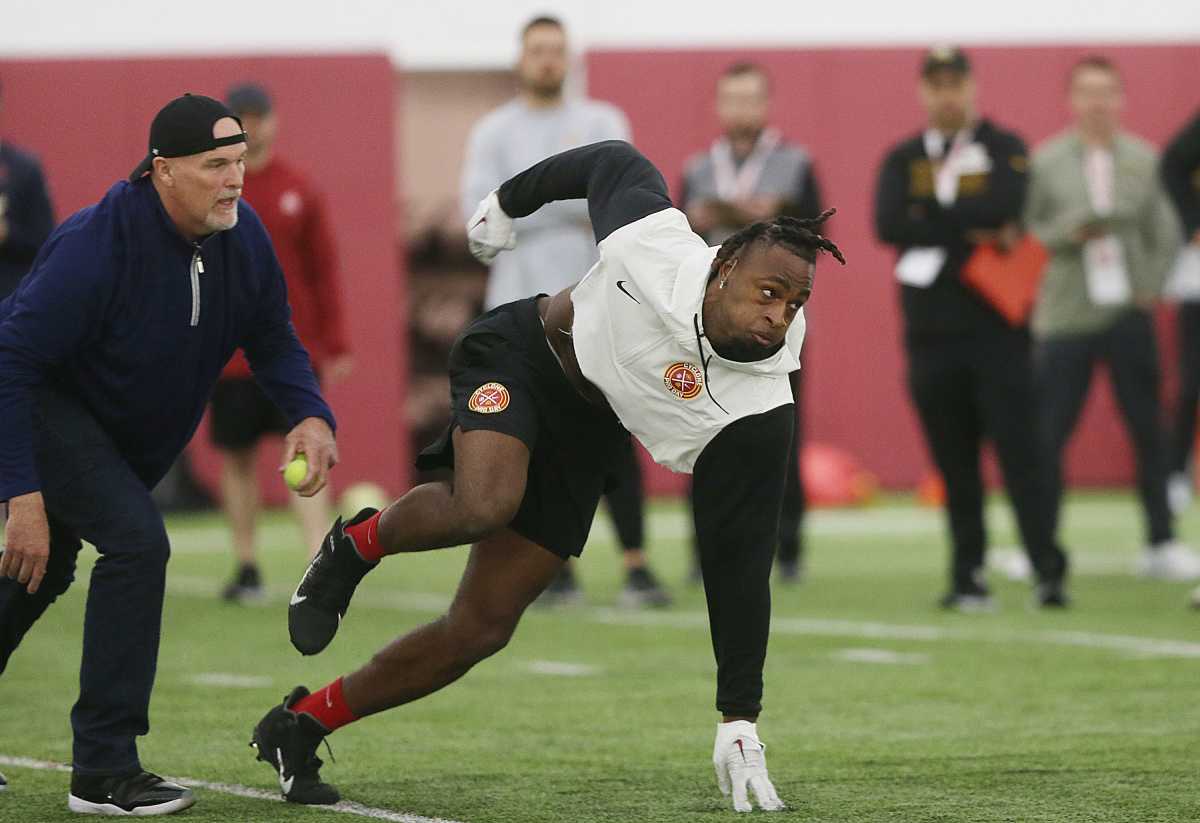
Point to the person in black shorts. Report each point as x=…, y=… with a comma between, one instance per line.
x=242, y=414
x=687, y=346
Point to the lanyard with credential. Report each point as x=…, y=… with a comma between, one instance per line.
x=735, y=183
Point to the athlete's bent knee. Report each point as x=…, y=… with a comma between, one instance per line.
x=481, y=638
x=482, y=515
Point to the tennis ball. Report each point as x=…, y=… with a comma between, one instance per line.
x=295, y=472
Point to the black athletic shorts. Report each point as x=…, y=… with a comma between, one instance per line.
x=242, y=414
x=504, y=378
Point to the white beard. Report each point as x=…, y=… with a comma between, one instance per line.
x=215, y=224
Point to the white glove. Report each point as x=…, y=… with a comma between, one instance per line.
x=740, y=762
x=490, y=230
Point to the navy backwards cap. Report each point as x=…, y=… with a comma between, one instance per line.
x=185, y=126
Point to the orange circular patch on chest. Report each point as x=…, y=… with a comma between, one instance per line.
x=684, y=380
x=489, y=399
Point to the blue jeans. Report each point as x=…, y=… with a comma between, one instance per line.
x=92, y=494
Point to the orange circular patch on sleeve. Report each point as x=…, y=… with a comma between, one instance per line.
x=489, y=399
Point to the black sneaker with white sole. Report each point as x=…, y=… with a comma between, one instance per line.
x=642, y=590
x=245, y=587
x=138, y=794
x=323, y=596
x=1051, y=594
x=969, y=599
x=288, y=741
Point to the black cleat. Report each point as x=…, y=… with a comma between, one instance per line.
x=288, y=741
x=3, y=783
x=323, y=596
x=138, y=794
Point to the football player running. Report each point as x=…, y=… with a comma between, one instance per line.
x=688, y=348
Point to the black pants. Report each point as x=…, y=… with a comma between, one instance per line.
x=627, y=500
x=1064, y=367
x=92, y=494
x=790, y=545
x=968, y=389
x=1184, y=435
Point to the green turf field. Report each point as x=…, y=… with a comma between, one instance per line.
x=878, y=707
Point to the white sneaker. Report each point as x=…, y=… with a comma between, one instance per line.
x=1169, y=561
x=1179, y=492
x=1011, y=562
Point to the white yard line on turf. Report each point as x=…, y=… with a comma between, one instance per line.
x=561, y=669
x=884, y=656
x=229, y=680
x=345, y=807
x=816, y=627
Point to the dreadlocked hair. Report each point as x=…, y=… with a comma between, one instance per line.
x=800, y=235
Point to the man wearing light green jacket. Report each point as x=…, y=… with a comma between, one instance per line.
x=1096, y=203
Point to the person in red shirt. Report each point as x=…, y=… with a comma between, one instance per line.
x=295, y=217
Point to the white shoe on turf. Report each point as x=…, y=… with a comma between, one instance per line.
x=1171, y=560
x=1179, y=492
x=1011, y=562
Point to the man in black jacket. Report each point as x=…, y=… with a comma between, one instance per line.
x=109, y=350
x=1180, y=168
x=957, y=184
x=26, y=216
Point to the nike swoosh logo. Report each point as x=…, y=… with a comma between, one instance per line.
x=284, y=783
x=621, y=286
x=297, y=598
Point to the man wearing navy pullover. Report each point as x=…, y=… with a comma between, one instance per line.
x=109, y=350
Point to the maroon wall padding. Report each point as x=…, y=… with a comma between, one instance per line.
x=848, y=106
x=88, y=122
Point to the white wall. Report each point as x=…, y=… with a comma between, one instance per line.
x=426, y=34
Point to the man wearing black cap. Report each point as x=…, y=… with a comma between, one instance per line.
x=109, y=349
x=294, y=214
x=959, y=184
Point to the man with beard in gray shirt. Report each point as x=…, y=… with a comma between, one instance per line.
x=556, y=246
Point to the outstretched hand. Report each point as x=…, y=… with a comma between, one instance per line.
x=741, y=765
x=490, y=230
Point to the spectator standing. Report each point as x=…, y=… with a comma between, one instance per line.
x=1098, y=206
x=752, y=173
x=294, y=214
x=1181, y=176
x=556, y=247
x=957, y=184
